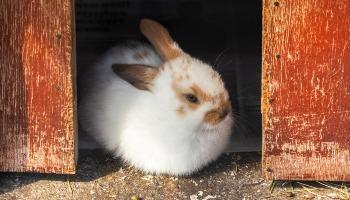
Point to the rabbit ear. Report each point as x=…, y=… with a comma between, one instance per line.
x=138, y=75
x=160, y=39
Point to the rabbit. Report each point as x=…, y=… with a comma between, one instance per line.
x=159, y=109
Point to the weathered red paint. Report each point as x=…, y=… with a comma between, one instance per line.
x=37, y=107
x=306, y=89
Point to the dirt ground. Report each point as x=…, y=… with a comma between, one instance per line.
x=233, y=176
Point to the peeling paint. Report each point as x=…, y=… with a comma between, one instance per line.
x=306, y=127
x=47, y=115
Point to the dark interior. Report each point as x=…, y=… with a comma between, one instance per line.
x=225, y=34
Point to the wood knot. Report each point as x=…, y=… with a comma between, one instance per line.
x=57, y=88
x=269, y=170
x=58, y=36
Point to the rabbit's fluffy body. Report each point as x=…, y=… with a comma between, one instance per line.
x=155, y=129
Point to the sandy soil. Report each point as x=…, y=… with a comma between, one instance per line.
x=233, y=176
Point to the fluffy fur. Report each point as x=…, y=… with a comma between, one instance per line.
x=146, y=128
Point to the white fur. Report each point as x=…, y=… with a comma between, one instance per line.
x=143, y=127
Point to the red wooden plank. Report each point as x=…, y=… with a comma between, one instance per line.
x=13, y=123
x=37, y=107
x=306, y=89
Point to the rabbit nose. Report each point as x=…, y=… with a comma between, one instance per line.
x=215, y=116
x=223, y=113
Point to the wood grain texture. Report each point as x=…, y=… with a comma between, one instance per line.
x=37, y=101
x=306, y=89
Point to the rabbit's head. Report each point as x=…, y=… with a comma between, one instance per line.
x=186, y=87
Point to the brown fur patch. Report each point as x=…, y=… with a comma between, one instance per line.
x=193, y=106
x=160, y=39
x=184, y=103
x=201, y=94
x=215, y=116
x=140, y=76
x=180, y=95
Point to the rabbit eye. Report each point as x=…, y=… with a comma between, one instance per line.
x=191, y=98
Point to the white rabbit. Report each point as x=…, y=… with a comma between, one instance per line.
x=160, y=110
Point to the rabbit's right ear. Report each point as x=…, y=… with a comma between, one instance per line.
x=138, y=75
x=160, y=38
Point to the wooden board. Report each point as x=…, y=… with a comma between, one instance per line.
x=306, y=89
x=37, y=101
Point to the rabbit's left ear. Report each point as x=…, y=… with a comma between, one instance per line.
x=138, y=75
x=160, y=38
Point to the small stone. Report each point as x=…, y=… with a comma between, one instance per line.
x=194, y=182
x=290, y=194
x=147, y=178
x=134, y=197
x=193, y=197
x=308, y=196
x=172, y=185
